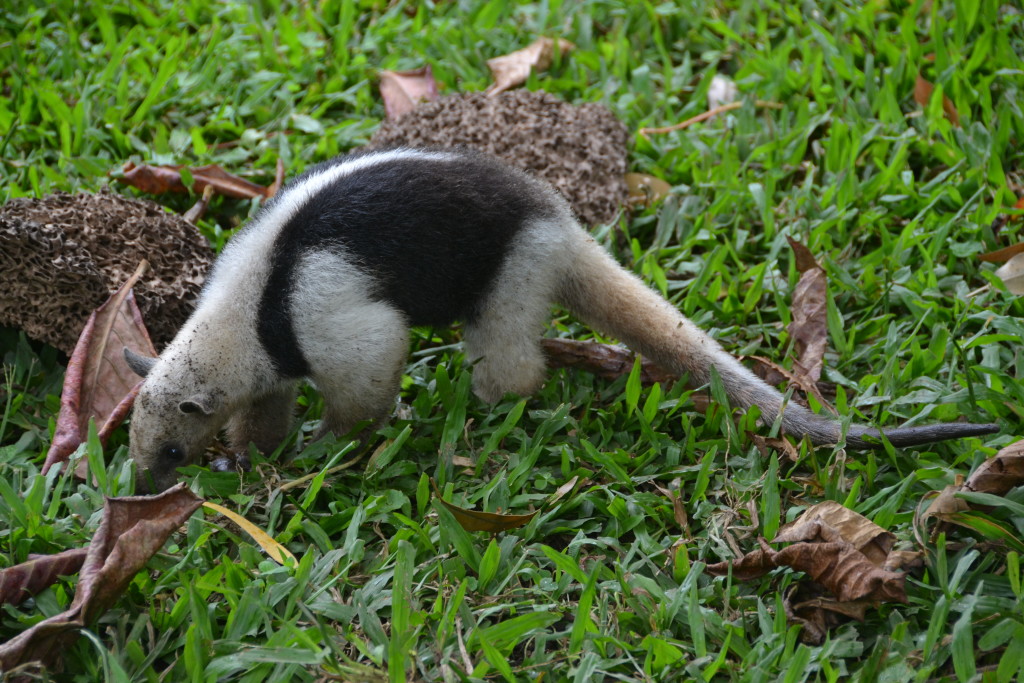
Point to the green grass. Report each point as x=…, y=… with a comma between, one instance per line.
x=894, y=200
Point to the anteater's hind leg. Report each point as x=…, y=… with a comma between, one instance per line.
x=503, y=338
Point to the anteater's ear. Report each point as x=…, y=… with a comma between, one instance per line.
x=199, y=403
x=140, y=365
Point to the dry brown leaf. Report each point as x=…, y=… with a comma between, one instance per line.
x=999, y=474
x=875, y=542
x=475, y=520
x=818, y=614
x=844, y=571
x=98, y=384
x=512, y=70
x=603, y=360
x=562, y=490
x=809, y=329
x=22, y=581
x=782, y=445
x=646, y=190
x=1002, y=255
x=278, y=178
x=903, y=559
x=1012, y=274
x=403, y=90
x=160, y=179
x=837, y=565
x=198, y=209
x=679, y=514
x=945, y=503
x=753, y=565
x=132, y=530
x=923, y=90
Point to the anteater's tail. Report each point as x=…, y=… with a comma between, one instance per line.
x=603, y=295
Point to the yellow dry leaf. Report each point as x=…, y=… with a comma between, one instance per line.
x=645, y=189
x=275, y=550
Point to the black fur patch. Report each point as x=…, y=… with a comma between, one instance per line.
x=432, y=234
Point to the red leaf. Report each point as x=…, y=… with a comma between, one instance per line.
x=160, y=179
x=923, y=93
x=98, y=384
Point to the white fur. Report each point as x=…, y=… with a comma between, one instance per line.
x=355, y=346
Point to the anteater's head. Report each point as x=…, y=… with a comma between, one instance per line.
x=176, y=416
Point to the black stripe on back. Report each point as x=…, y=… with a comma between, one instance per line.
x=432, y=234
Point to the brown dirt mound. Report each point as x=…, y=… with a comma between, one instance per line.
x=581, y=150
x=62, y=256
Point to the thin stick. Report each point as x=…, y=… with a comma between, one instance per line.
x=706, y=115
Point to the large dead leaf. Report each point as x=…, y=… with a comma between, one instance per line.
x=22, y=581
x=809, y=330
x=875, y=542
x=132, y=530
x=837, y=565
x=512, y=70
x=923, y=90
x=98, y=384
x=161, y=179
x=403, y=90
x=475, y=520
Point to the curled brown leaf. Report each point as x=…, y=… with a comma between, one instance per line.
x=875, y=542
x=836, y=564
x=809, y=330
x=98, y=384
x=131, y=531
x=22, y=581
x=999, y=474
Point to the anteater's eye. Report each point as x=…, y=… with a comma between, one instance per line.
x=172, y=453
